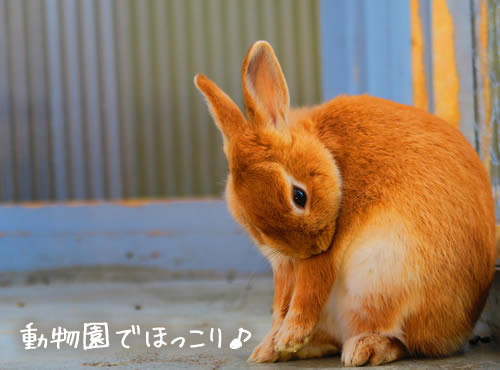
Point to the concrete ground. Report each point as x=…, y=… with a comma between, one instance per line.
x=179, y=306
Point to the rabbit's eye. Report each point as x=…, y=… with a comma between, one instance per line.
x=299, y=197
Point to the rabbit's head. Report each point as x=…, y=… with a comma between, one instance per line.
x=283, y=185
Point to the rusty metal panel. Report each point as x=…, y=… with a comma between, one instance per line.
x=97, y=99
x=487, y=77
x=461, y=71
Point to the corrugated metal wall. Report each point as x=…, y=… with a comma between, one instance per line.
x=492, y=98
x=97, y=99
x=457, y=46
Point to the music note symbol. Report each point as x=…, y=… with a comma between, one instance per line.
x=236, y=343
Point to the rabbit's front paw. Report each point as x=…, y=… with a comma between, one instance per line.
x=265, y=352
x=294, y=334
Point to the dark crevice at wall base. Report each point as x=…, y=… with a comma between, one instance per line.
x=489, y=323
x=119, y=274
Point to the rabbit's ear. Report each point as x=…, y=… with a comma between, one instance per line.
x=224, y=111
x=264, y=87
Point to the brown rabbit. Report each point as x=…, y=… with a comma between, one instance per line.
x=377, y=219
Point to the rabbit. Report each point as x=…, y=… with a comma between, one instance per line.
x=377, y=219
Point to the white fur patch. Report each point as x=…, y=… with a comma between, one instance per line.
x=375, y=262
x=274, y=256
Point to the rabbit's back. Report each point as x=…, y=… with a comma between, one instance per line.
x=416, y=221
x=396, y=156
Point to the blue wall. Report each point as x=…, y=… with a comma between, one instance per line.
x=366, y=48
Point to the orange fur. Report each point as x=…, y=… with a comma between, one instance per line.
x=394, y=251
